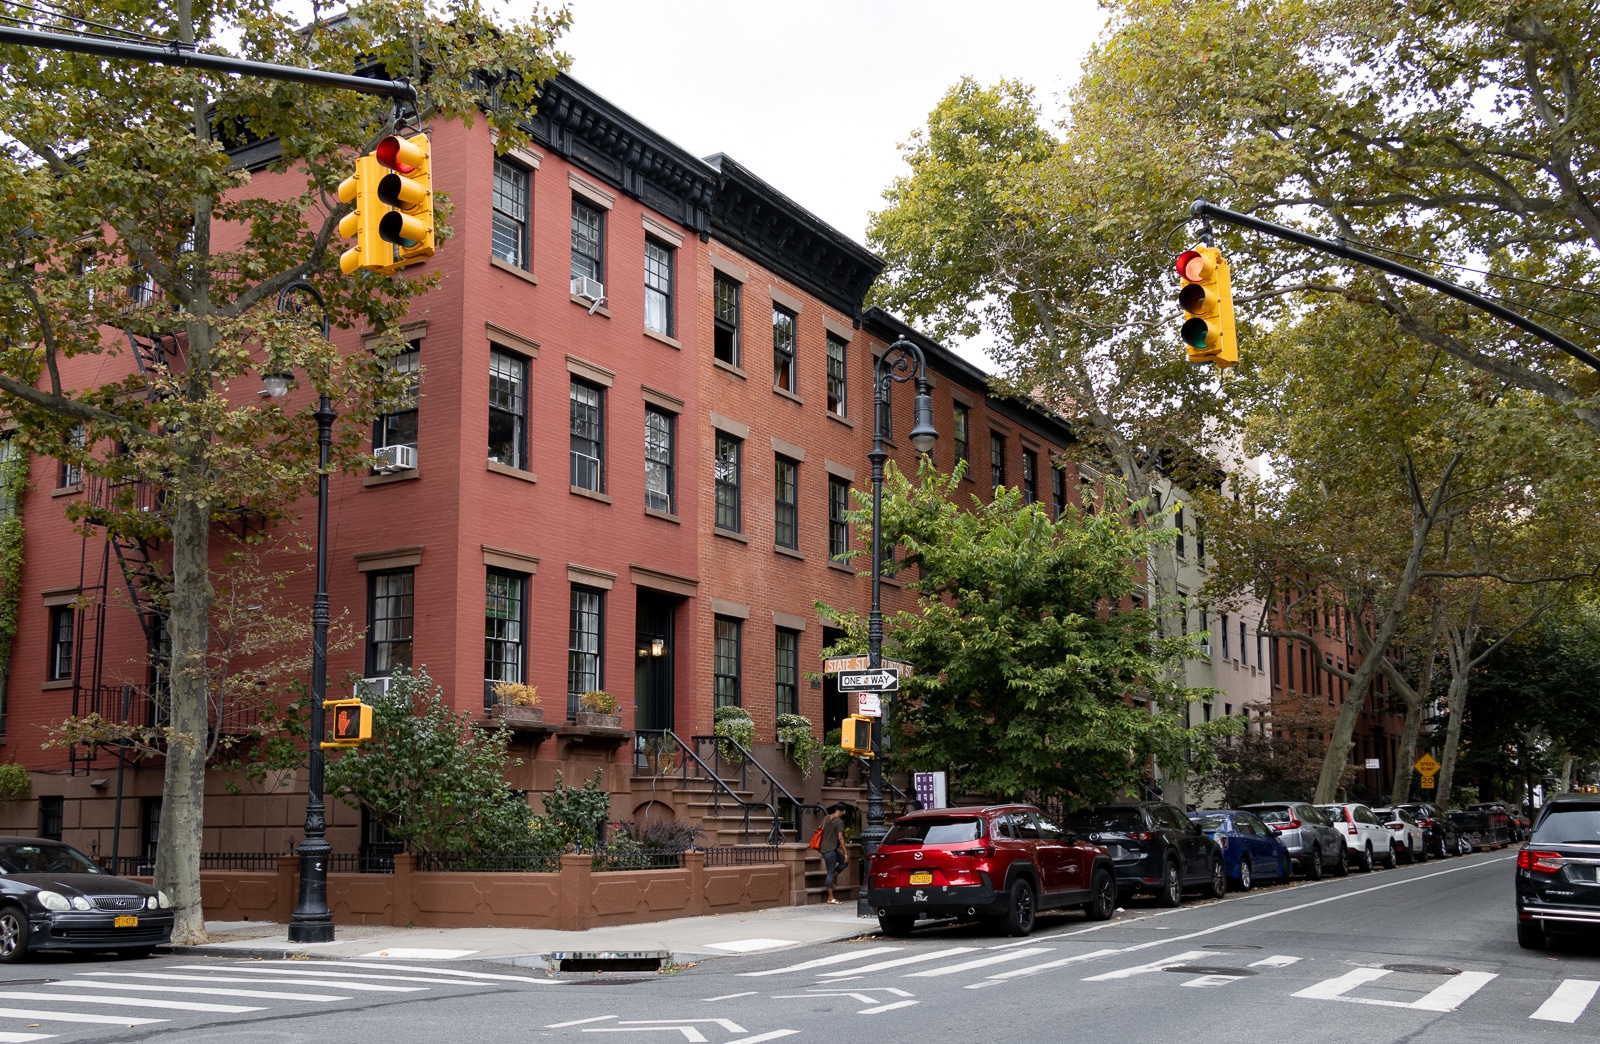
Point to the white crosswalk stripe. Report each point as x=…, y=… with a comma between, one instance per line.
x=132, y=1002
x=822, y=962
x=208, y=991
x=901, y=962
x=289, y=974
x=1568, y=1002
x=36, y=1015
x=442, y=973
x=23, y=1038
x=341, y=984
x=982, y=962
x=1176, y=961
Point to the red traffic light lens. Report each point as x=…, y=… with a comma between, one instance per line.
x=397, y=154
x=1194, y=266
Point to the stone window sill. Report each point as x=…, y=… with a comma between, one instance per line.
x=520, y=273
x=846, y=421
x=791, y=552
x=665, y=516
x=591, y=494
x=791, y=396
x=729, y=368
x=843, y=567
x=67, y=491
x=730, y=534
x=397, y=476
x=671, y=342
x=509, y=471
x=59, y=683
x=586, y=304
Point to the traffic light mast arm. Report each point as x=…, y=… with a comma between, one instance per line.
x=1338, y=248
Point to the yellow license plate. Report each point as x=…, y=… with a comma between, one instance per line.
x=125, y=921
x=922, y=878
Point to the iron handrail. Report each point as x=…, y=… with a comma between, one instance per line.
x=719, y=785
x=774, y=788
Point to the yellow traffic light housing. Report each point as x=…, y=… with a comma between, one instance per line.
x=361, y=224
x=1207, y=302
x=855, y=735
x=408, y=189
x=352, y=723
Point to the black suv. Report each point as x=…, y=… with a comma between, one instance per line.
x=1439, y=834
x=1558, y=872
x=1156, y=849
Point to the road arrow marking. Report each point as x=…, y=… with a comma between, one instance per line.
x=1208, y=981
x=1154, y=966
x=1275, y=962
x=731, y=996
x=690, y=1034
x=885, y=1007
x=1447, y=997
x=579, y=1022
x=758, y=1038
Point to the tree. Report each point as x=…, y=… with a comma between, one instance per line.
x=13, y=488
x=1279, y=755
x=1030, y=679
x=124, y=219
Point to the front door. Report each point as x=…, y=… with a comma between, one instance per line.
x=652, y=676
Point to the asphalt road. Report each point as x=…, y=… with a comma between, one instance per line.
x=1426, y=953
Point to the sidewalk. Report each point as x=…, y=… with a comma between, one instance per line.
x=686, y=939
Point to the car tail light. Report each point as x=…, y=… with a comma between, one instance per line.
x=1397, y=826
x=1542, y=862
x=1425, y=824
x=1351, y=830
x=1139, y=835
x=975, y=853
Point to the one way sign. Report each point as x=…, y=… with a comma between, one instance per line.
x=884, y=679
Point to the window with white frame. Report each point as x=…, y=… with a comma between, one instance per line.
x=658, y=286
x=504, y=631
x=584, y=644
x=508, y=234
x=398, y=425
x=659, y=492
x=836, y=377
x=783, y=350
x=588, y=238
x=508, y=409
x=588, y=436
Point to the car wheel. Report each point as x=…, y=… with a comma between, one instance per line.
x=1421, y=853
x=1394, y=858
x=897, y=925
x=1530, y=935
x=1342, y=867
x=1366, y=858
x=1285, y=869
x=1019, y=913
x=1464, y=846
x=1218, y=887
x=13, y=935
x=1171, y=893
x=1104, y=901
x=1244, y=875
x=1314, y=865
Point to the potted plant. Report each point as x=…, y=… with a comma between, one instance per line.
x=734, y=722
x=794, y=735
x=518, y=704
x=597, y=709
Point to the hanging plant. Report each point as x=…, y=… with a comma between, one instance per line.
x=794, y=733
x=734, y=723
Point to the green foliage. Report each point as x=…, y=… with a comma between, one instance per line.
x=598, y=701
x=573, y=816
x=795, y=731
x=835, y=759
x=1028, y=679
x=433, y=778
x=735, y=723
x=13, y=487
x=15, y=783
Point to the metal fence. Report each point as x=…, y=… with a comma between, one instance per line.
x=513, y=862
x=741, y=855
x=631, y=858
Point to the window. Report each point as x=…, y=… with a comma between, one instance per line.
x=1183, y=612
x=1178, y=522
x=725, y=662
x=508, y=237
x=1058, y=490
x=786, y=493
x=1258, y=655
x=1224, y=631
x=997, y=460
x=588, y=430
x=1030, y=476
x=959, y=421
x=51, y=807
x=783, y=323
x=658, y=287
x=1200, y=542
x=729, y=451
x=502, y=630
x=399, y=427
x=61, y=620
x=583, y=645
x=390, y=609
x=787, y=677
x=71, y=471
x=836, y=377
x=508, y=409
x=838, y=526
x=1244, y=653
x=725, y=318
x=587, y=236
x=658, y=487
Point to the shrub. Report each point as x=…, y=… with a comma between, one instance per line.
x=734, y=723
x=794, y=731
x=517, y=694
x=572, y=816
x=835, y=758
x=668, y=835
x=598, y=701
x=15, y=783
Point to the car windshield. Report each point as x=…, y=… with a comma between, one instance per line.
x=1274, y=815
x=932, y=831
x=1106, y=821
x=1574, y=824
x=45, y=859
x=1210, y=823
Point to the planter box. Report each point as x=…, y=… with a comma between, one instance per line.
x=513, y=715
x=591, y=720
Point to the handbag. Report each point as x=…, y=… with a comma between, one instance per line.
x=816, y=839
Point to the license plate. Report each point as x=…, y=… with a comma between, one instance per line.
x=922, y=877
x=125, y=921
x=1584, y=874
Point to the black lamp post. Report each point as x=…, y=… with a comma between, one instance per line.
x=901, y=361
x=312, y=921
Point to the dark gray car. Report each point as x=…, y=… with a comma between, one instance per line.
x=1313, y=844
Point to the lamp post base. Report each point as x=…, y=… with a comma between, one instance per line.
x=312, y=921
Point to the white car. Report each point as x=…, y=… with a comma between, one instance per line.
x=1366, y=838
x=1409, y=838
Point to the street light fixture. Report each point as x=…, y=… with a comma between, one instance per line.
x=312, y=921
x=902, y=361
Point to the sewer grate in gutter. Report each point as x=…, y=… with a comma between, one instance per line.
x=609, y=960
x=1230, y=946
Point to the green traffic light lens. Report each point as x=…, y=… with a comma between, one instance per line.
x=1196, y=333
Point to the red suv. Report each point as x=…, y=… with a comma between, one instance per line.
x=1002, y=863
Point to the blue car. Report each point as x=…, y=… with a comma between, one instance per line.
x=1250, y=850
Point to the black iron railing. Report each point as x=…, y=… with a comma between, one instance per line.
x=692, y=768
x=727, y=753
x=468, y=862
x=742, y=855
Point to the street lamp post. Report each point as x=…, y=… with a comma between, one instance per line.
x=901, y=361
x=312, y=921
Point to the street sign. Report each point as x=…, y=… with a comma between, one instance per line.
x=1373, y=763
x=835, y=664
x=1427, y=783
x=884, y=679
x=1428, y=765
x=868, y=705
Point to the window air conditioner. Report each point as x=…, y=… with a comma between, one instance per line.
x=588, y=289
x=396, y=458
x=370, y=686
x=1205, y=649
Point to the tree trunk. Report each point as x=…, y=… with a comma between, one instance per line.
x=183, y=789
x=1566, y=774
x=1452, y=736
x=1408, y=752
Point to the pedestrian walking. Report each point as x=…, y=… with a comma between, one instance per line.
x=832, y=847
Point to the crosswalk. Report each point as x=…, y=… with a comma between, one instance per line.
x=39, y=1009
x=864, y=973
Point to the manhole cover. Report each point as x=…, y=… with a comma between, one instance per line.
x=1229, y=946
x=1422, y=969
x=1207, y=969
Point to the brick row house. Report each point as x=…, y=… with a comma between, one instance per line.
x=644, y=396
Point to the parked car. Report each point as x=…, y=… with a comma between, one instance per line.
x=1313, y=843
x=1250, y=850
x=1438, y=832
x=1002, y=863
x=53, y=897
x=1501, y=814
x=1558, y=871
x=1411, y=844
x=1366, y=839
x=1480, y=828
x=1156, y=849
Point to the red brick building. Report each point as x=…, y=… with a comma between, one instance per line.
x=681, y=343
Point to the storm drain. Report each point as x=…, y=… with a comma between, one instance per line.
x=1229, y=946
x=1209, y=969
x=1422, y=969
x=610, y=960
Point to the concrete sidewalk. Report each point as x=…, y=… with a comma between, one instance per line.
x=686, y=939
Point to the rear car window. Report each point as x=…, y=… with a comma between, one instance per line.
x=1106, y=820
x=1335, y=813
x=931, y=831
x=1274, y=815
x=1212, y=822
x=1569, y=825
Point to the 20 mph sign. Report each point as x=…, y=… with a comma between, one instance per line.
x=884, y=679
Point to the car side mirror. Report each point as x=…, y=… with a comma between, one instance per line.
x=1070, y=837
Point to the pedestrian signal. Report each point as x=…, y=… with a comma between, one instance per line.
x=1207, y=302
x=352, y=723
x=408, y=188
x=855, y=735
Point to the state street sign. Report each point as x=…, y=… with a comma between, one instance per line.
x=1428, y=765
x=884, y=679
x=835, y=664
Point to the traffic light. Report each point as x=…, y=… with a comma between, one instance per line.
x=1207, y=303
x=361, y=224
x=408, y=188
x=352, y=723
x=855, y=735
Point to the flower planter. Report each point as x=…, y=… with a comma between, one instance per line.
x=591, y=720
x=513, y=715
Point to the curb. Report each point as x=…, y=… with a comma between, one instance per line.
x=257, y=953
